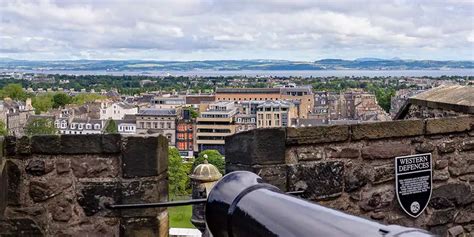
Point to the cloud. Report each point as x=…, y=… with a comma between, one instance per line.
x=230, y=29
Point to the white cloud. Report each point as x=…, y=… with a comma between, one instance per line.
x=231, y=29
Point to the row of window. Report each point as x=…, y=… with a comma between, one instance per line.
x=63, y=125
x=155, y=125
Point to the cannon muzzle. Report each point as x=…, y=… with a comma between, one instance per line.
x=241, y=204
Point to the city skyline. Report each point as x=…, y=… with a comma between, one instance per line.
x=223, y=30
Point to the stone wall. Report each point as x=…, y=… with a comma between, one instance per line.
x=60, y=185
x=351, y=167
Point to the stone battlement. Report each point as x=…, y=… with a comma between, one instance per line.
x=351, y=167
x=59, y=185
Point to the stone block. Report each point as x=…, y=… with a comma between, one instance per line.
x=461, y=164
x=425, y=147
x=467, y=145
x=94, y=196
x=465, y=215
x=458, y=193
x=440, y=217
x=38, y=167
x=441, y=164
x=309, y=153
x=62, y=166
x=61, y=210
x=81, y=144
x=259, y=146
x=343, y=152
x=143, y=192
x=45, y=144
x=141, y=227
x=387, y=150
x=3, y=187
x=377, y=198
x=23, y=146
x=383, y=174
x=274, y=174
x=446, y=147
x=440, y=175
x=321, y=180
x=456, y=231
x=41, y=190
x=144, y=156
x=379, y=130
x=13, y=174
x=95, y=167
x=20, y=227
x=111, y=143
x=10, y=145
x=355, y=177
x=318, y=134
x=449, y=125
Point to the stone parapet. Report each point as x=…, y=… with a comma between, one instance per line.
x=59, y=185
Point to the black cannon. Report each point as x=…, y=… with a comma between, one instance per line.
x=242, y=205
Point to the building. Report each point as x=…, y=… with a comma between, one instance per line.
x=245, y=122
x=127, y=125
x=305, y=97
x=199, y=99
x=247, y=94
x=116, y=110
x=157, y=121
x=15, y=115
x=400, y=98
x=79, y=126
x=167, y=102
x=214, y=124
x=185, y=133
x=275, y=114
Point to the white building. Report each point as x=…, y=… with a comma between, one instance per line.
x=127, y=125
x=79, y=126
x=116, y=110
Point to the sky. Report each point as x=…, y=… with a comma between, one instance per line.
x=299, y=30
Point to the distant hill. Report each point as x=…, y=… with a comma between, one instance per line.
x=229, y=65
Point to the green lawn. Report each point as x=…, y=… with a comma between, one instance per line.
x=180, y=217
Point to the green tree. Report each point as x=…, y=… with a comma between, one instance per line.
x=213, y=157
x=111, y=127
x=40, y=126
x=61, y=99
x=177, y=173
x=87, y=97
x=3, y=129
x=14, y=91
x=42, y=103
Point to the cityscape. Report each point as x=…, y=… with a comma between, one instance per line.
x=205, y=118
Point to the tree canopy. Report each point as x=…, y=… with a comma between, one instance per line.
x=213, y=157
x=111, y=127
x=13, y=91
x=3, y=129
x=40, y=126
x=177, y=173
x=61, y=99
x=42, y=103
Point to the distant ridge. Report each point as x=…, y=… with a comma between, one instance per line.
x=235, y=65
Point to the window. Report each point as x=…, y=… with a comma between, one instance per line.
x=80, y=126
x=168, y=124
x=88, y=126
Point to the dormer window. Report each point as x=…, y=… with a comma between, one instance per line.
x=80, y=126
x=88, y=126
x=97, y=126
x=73, y=125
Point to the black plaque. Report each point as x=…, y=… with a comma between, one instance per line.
x=414, y=180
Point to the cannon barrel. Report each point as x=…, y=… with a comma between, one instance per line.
x=241, y=204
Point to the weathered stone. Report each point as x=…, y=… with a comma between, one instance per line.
x=385, y=150
x=93, y=196
x=144, y=226
x=20, y=227
x=376, y=199
x=355, y=177
x=307, y=153
x=81, y=144
x=111, y=143
x=142, y=192
x=45, y=144
x=448, y=125
x=467, y=145
x=61, y=210
x=258, y=146
x=23, y=146
x=144, y=156
x=62, y=166
x=440, y=175
x=21, y=212
x=318, y=134
x=38, y=167
x=90, y=167
x=439, y=230
x=458, y=193
x=10, y=145
x=441, y=164
x=3, y=188
x=377, y=215
x=440, y=203
x=446, y=147
x=425, y=147
x=383, y=174
x=42, y=190
x=274, y=174
x=465, y=216
x=323, y=179
x=461, y=165
x=439, y=217
x=456, y=231
x=14, y=181
x=399, y=128
x=343, y=152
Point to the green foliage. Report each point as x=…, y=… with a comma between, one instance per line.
x=384, y=96
x=42, y=103
x=213, y=157
x=13, y=91
x=3, y=129
x=177, y=173
x=61, y=99
x=111, y=127
x=83, y=98
x=40, y=126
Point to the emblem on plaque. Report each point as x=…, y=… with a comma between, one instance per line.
x=414, y=180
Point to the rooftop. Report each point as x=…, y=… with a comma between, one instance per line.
x=157, y=112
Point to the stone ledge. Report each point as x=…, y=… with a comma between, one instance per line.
x=449, y=125
x=378, y=130
x=319, y=134
x=144, y=156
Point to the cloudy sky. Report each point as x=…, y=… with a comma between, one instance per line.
x=236, y=29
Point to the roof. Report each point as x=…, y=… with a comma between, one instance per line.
x=248, y=90
x=125, y=105
x=275, y=103
x=157, y=112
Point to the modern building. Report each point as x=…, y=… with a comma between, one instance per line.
x=247, y=94
x=185, y=133
x=214, y=124
x=157, y=121
x=167, y=102
x=275, y=114
x=304, y=95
